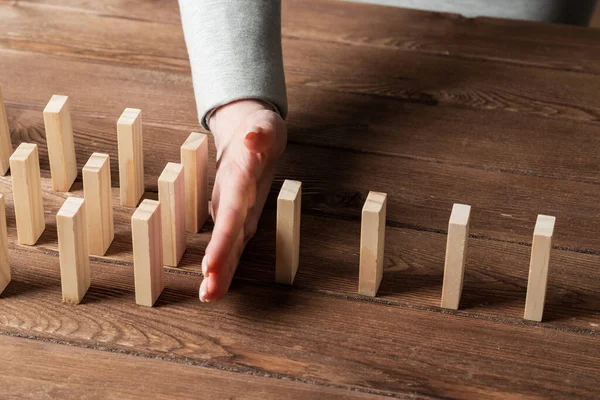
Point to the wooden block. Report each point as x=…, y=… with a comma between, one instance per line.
x=171, y=194
x=538, y=267
x=372, y=241
x=4, y=262
x=61, y=145
x=147, y=252
x=98, y=203
x=73, y=250
x=27, y=193
x=6, y=148
x=289, y=204
x=194, y=157
x=456, y=249
x=131, y=157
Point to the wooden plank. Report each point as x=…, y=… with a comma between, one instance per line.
x=60, y=143
x=171, y=195
x=497, y=40
x=372, y=243
x=131, y=156
x=27, y=192
x=319, y=338
x=98, y=203
x=6, y=148
x=289, y=212
x=32, y=367
x=495, y=280
x=5, y=275
x=456, y=253
x=194, y=157
x=538, y=267
x=71, y=227
x=146, y=233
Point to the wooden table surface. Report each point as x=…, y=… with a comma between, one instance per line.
x=431, y=108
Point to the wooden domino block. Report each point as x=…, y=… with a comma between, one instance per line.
x=171, y=195
x=131, y=157
x=4, y=262
x=27, y=193
x=538, y=267
x=194, y=157
x=456, y=249
x=6, y=148
x=73, y=250
x=372, y=241
x=98, y=203
x=146, y=230
x=287, y=242
x=61, y=145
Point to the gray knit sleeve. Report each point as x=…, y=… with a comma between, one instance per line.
x=235, y=52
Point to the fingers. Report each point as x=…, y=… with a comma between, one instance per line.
x=216, y=284
x=266, y=133
x=259, y=140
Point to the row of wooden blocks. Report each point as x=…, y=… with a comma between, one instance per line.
x=85, y=226
x=372, y=241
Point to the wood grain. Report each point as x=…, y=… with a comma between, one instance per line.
x=26, y=373
x=232, y=334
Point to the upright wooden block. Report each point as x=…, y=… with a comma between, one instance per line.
x=61, y=145
x=171, y=194
x=148, y=269
x=73, y=250
x=194, y=157
x=538, y=267
x=6, y=148
x=131, y=157
x=27, y=193
x=372, y=241
x=98, y=203
x=456, y=249
x=287, y=242
x=4, y=262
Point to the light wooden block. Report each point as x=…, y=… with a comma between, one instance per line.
x=287, y=242
x=61, y=145
x=4, y=262
x=171, y=195
x=73, y=250
x=372, y=241
x=6, y=148
x=131, y=157
x=538, y=267
x=27, y=193
x=98, y=203
x=194, y=157
x=146, y=230
x=456, y=249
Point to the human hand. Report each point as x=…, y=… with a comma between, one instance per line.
x=249, y=139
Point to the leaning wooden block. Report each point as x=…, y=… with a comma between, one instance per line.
x=73, y=250
x=61, y=145
x=372, y=240
x=194, y=157
x=27, y=193
x=146, y=230
x=538, y=267
x=287, y=241
x=4, y=263
x=456, y=249
x=171, y=194
x=131, y=157
x=6, y=148
x=98, y=203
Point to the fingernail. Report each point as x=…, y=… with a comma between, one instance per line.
x=205, y=266
x=203, y=292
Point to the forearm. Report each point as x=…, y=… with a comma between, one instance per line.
x=235, y=52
